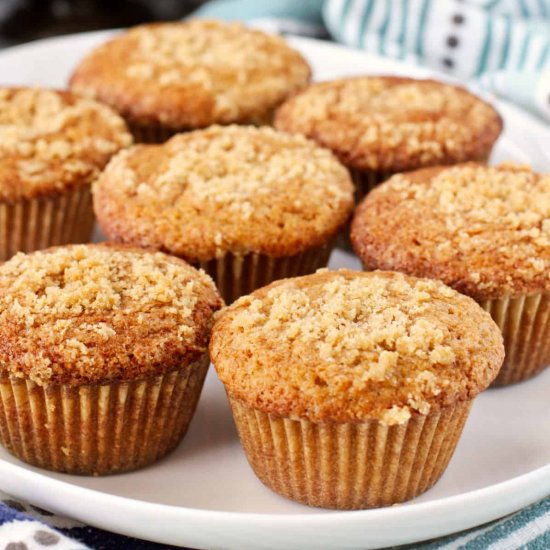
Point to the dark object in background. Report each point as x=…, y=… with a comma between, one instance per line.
x=24, y=20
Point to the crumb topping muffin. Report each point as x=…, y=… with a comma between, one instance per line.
x=236, y=189
x=483, y=230
x=192, y=74
x=349, y=346
x=53, y=141
x=393, y=124
x=88, y=314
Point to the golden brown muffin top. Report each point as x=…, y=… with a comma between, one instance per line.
x=349, y=346
x=227, y=188
x=192, y=74
x=97, y=313
x=482, y=230
x=393, y=123
x=52, y=141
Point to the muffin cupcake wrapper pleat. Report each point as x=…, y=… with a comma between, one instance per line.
x=34, y=224
x=365, y=181
x=152, y=133
x=99, y=429
x=349, y=465
x=157, y=133
x=236, y=275
x=525, y=325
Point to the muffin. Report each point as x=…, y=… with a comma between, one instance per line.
x=350, y=390
x=52, y=145
x=248, y=205
x=103, y=355
x=484, y=231
x=380, y=125
x=165, y=78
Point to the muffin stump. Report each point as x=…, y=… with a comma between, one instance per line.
x=52, y=146
x=104, y=356
x=350, y=390
x=248, y=205
x=166, y=78
x=484, y=231
x=381, y=125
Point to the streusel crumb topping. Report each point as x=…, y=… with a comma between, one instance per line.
x=192, y=74
x=94, y=313
x=483, y=230
x=393, y=123
x=52, y=140
x=351, y=346
x=225, y=188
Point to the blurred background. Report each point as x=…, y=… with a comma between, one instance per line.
x=24, y=20
x=501, y=47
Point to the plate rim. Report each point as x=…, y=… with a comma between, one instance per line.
x=539, y=474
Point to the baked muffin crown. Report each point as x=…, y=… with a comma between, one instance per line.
x=394, y=124
x=192, y=74
x=233, y=188
x=350, y=346
x=482, y=230
x=86, y=314
x=52, y=141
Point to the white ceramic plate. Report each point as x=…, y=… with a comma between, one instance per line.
x=204, y=495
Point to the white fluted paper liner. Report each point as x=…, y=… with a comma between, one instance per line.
x=525, y=325
x=99, y=429
x=236, y=275
x=352, y=465
x=57, y=219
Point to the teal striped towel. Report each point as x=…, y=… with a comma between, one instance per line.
x=528, y=529
x=503, y=44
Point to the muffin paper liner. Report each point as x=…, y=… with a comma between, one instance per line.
x=152, y=133
x=525, y=325
x=99, y=429
x=351, y=465
x=157, y=133
x=366, y=181
x=267, y=119
x=236, y=275
x=34, y=224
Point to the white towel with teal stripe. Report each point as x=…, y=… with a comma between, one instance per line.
x=505, y=44
x=502, y=44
